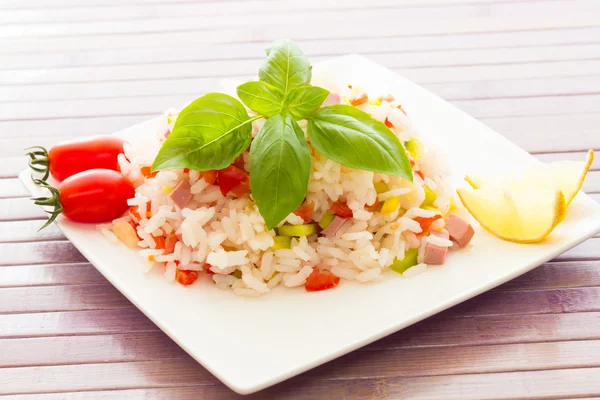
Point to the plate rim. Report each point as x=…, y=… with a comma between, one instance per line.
x=25, y=178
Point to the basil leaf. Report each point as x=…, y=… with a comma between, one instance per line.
x=208, y=134
x=261, y=97
x=353, y=138
x=279, y=169
x=286, y=67
x=302, y=101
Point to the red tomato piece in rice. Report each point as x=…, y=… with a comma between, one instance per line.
x=341, y=209
x=376, y=204
x=146, y=170
x=209, y=176
x=305, y=211
x=159, y=241
x=241, y=189
x=170, y=243
x=231, y=177
x=321, y=280
x=426, y=223
x=185, y=276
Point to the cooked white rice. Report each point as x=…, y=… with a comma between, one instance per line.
x=229, y=233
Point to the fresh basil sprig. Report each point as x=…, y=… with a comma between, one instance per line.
x=286, y=67
x=261, y=97
x=208, y=134
x=302, y=101
x=280, y=165
x=215, y=129
x=352, y=138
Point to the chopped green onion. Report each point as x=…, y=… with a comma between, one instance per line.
x=298, y=230
x=282, y=242
x=326, y=220
x=409, y=260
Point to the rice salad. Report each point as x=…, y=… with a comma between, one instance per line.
x=352, y=225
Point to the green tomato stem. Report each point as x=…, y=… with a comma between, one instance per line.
x=39, y=161
x=53, y=201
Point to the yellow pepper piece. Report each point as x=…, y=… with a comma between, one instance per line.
x=415, y=148
x=430, y=197
x=172, y=118
x=381, y=187
x=390, y=205
x=375, y=102
x=452, y=205
x=167, y=189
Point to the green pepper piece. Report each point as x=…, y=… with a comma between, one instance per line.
x=326, y=220
x=298, y=230
x=282, y=242
x=409, y=260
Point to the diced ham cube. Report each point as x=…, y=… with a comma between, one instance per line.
x=181, y=194
x=460, y=230
x=334, y=226
x=441, y=234
x=434, y=254
x=331, y=99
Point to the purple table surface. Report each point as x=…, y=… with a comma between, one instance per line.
x=72, y=69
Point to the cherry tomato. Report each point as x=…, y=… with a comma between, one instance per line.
x=186, y=277
x=426, y=223
x=97, y=195
x=341, y=210
x=306, y=211
x=321, y=280
x=68, y=158
x=231, y=177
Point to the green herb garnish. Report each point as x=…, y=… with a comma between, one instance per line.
x=214, y=130
x=280, y=165
x=353, y=138
x=208, y=134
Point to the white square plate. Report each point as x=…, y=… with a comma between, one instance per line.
x=269, y=339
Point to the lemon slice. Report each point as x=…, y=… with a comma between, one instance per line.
x=566, y=176
x=569, y=175
x=521, y=216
